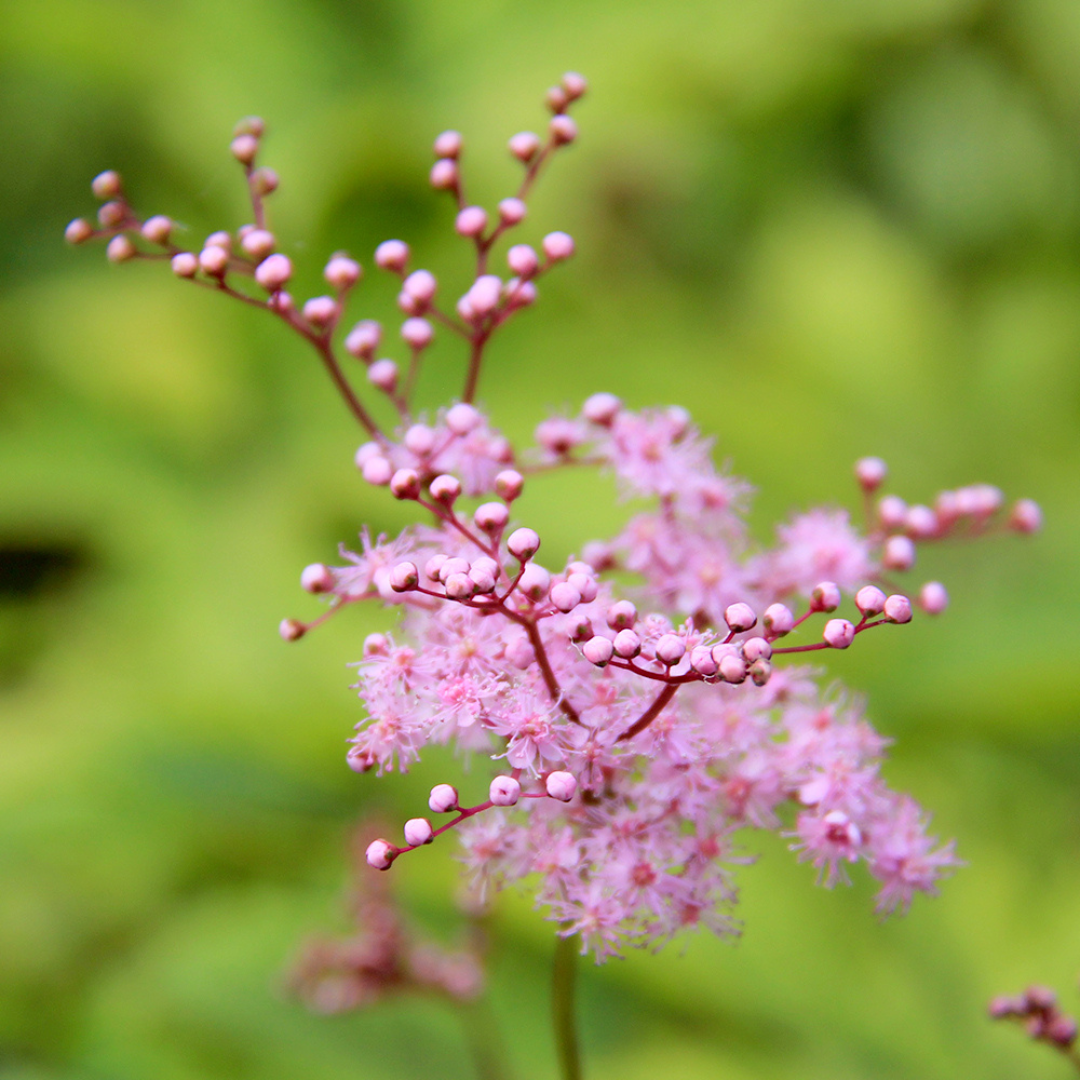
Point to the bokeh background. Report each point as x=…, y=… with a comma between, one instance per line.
x=830, y=227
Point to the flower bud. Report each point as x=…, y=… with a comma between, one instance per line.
x=512, y=211
x=405, y=484
x=760, y=671
x=483, y=579
x=670, y=649
x=524, y=145
x=621, y=615
x=264, y=181
x=891, y=511
x=839, y=633
x=157, y=229
x=627, y=644
x=214, y=260
x=460, y=586
x=491, y=517
x=106, y=185
x=871, y=473
x=78, y=231
x=322, y=311
x=585, y=585
x=732, y=668
x=921, y=522
x=756, y=648
x=701, y=660
x=392, y=255
x=121, y=249
x=556, y=99
x=897, y=608
x=445, y=489
x=291, y=629
x=433, y=567
x=471, y=221
x=534, y=583
x=448, y=144
x=363, y=339
x=360, y=761
x=504, y=791
x=420, y=285
x=509, y=485
x=561, y=786
x=273, y=272
x=418, y=831
x=443, y=799
x=899, y=553
x=111, y=214
x=825, y=596
x=523, y=544
x=384, y=375
x=558, y=246
x=404, y=577
x=244, y=148
x=317, y=578
x=444, y=175
x=523, y=260
x=740, y=617
x=380, y=854
x=376, y=645
x=598, y=650
x=219, y=239
x=417, y=333
x=250, y=125
x=342, y=273
x=778, y=620
x=565, y=597
x=377, y=471
x=933, y=598
x=870, y=600
x=1025, y=517
x=563, y=130
x=574, y=84
x=601, y=409
x=185, y=264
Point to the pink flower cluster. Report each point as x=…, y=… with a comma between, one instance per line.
x=636, y=729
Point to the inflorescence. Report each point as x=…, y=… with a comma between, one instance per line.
x=638, y=729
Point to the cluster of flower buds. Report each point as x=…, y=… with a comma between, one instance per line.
x=1037, y=1010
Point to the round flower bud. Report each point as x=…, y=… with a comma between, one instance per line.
x=598, y=650
x=121, y=249
x=280, y=301
x=556, y=99
x=471, y=221
x=185, y=264
x=740, y=617
x=380, y=854
x=433, y=567
x=244, y=148
x=778, y=620
x=405, y=484
x=317, y=578
x=106, y=185
x=420, y=285
x=377, y=471
x=392, y=255
x=756, y=648
x=443, y=799
x=78, y=231
x=363, y=339
x=535, y=582
x=1061, y=1030
x=322, y=311
x=404, y=577
x=585, y=585
x=564, y=596
x=621, y=615
x=258, y=243
x=523, y=544
x=463, y=418
x=491, y=517
x=460, y=586
x=418, y=831
x=523, y=260
x=839, y=633
x=519, y=293
x=933, y=598
x=219, y=239
x=509, y=485
x=921, y=522
x=512, y=211
x=445, y=489
x=601, y=409
x=897, y=608
x=760, y=671
x=157, y=229
x=264, y=181
x=273, y=272
x=444, y=175
x=732, y=668
x=455, y=565
x=483, y=578
x=448, y=144
x=417, y=332
x=484, y=294
x=420, y=439
x=1025, y=517
x=899, y=553
x=291, y=629
x=670, y=649
x=561, y=786
x=891, y=511
x=574, y=84
x=384, y=375
x=250, y=125
x=376, y=645
x=111, y=214
x=870, y=472
x=342, y=272
x=563, y=130
x=825, y=596
x=504, y=791
x=214, y=260
x=360, y=761
x=524, y=145
x=627, y=644
x=701, y=660
x=558, y=246
x=870, y=600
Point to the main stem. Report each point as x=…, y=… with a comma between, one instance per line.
x=562, y=1007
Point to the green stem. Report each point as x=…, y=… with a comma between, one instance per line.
x=482, y=1035
x=562, y=1005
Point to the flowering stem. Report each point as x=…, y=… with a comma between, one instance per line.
x=475, y=359
x=651, y=713
x=562, y=1005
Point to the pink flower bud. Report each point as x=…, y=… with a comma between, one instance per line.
x=360, y=761
x=363, y=339
x=445, y=489
x=1025, y=517
x=443, y=799
x=701, y=660
x=598, y=650
x=111, y=214
x=78, y=231
x=585, y=585
x=524, y=145
x=484, y=294
x=380, y=854
x=891, y=511
x=871, y=473
x=392, y=255
x=376, y=645
x=523, y=260
x=244, y=148
x=512, y=211
x=504, y=791
x=491, y=517
x=563, y=130
x=561, y=786
x=921, y=522
x=417, y=332
x=558, y=246
x=214, y=260
x=185, y=264
x=219, y=239
x=463, y=418
x=670, y=649
x=264, y=181
x=899, y=553
x=418, y=831
x=420, y=285
x=839, y=633
x=601, y=409
x=627, y=644
x=732, y=668
x=455, y=565
x=519, y=293
x=825, y=596
x=258, y=243
x=250, y=125
x=740, y=617
x=565, y=597
x=509, y=485
x=273, y=272
x=448, y=144
x=535, y=582
x=483, y=579
x=405, y=484
x=460, y=586
x=106, y=185
x=157, y=229
x=404, y=577
x=433, y=567
x=366, y=452
x=121, y=249
x=317, y=578
x=322, y=311
x=384, y=375
x=760, y=671
x=342, y=273
x=778, y=620
x=897, y=608
x=1061, y=1030
x=556, y=99
x=523, y=544
x=574, y=84
x=621, y=615
x=933, y=598
x=471, y=221
x=444, y=175
x=756, y=648
x=377, y=471
x=291, y=629
x=870, y=600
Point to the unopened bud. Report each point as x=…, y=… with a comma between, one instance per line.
x=512, y=211
x=443, y=799
x=621, y=615
x=558, y=246
x=871, y=473
x=120, y=249
x=563, y=130
x=670, y=649
x=778, y=620
x=342, y=272
x=523, y=544
x=273, y=272
x=524, y=145
x=405, y=484
x=417, y=332
x=491, y=517
x=897, y=608
x=322, y=311
x=418, y=831
x=444, y=175
x=78, y=231
x=250, y=125
x=870, y=600
x=106, y=185
x=701, y=660
x=933, y=598
x=574, y=84
x=509, y=485
x=732, y=668
x=185, y=264
x=404, y=577
x=448, y=144
x=363, y=339
x=291, y=629
x=839, y=633
x=760, y=671
x=523, y=260
x=384, y=375
x=445, y=489
x=535, y=582
x=157, y=229
x=561, y=786
x=377, y=471
x=111, y=214
x=317, y=578
x=1026, y=517
x=627, y=644
x=565, y=597
x=392, y=255
x=471, y=221
x=601, y=408
x=244, y=148
x=825, y=596
x=891, y=511
x=756, y=648
x=899, y=553
x=380, y=854
x=504, y=791
x=740, y=617
x=598, y=650
x=264, y=181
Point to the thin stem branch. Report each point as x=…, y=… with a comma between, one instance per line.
x=563, y=1015
x=651, y=713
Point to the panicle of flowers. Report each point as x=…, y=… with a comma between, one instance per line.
x=1036, y=1010
x=635, y=729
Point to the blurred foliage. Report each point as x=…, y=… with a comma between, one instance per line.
x=831, y=227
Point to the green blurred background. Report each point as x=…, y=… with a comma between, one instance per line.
x=830, y=227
